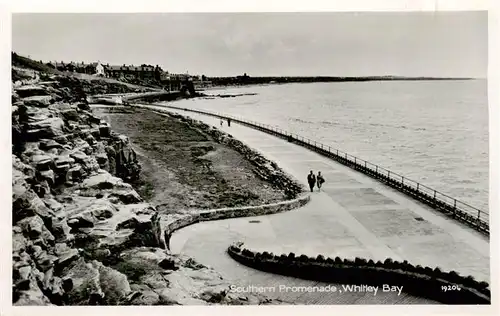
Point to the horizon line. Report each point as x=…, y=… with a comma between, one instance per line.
x=294, y=76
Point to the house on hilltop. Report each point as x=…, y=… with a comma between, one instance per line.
x=91, y=68
x=133, y=72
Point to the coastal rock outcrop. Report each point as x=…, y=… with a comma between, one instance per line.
x=81, y=234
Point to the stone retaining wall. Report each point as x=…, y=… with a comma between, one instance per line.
x=232, y=212
x=445, y=287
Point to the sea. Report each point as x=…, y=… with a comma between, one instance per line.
x=433, y=132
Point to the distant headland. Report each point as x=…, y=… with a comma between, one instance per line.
x=248, y=80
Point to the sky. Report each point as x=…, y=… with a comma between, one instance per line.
x=438, y=44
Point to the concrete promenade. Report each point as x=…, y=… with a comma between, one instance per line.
x=352, y=216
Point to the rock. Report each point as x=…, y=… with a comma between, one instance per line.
x=70, y=114
x=47, y=128
x=27, y=203
x=176, y=296
x=84, y=106
x=104, y=180
x=94, y=132
x=123, y=139
x=49, y=144
x=62, y=231
x=41, y=101
x=89, y=215
x=33, y=296
x=65, y=255
x=145, y=298
x=19, y=242
x=49, y=176
x=102, y=159
x=81, y=283
x=61, y=139
x=30, y=90
x=132, y=225
x=62, y=165
x=21, y=173
x=76, y=173
x=53, y=205
x=34, y=228
x=42, y=162
x=41, y=188
x=126, y=196
x=168, y=264
x=104, y=129
x=114, y=284
x=89, y=164
x=90, y=140
x=43, y=260
x=79, y=156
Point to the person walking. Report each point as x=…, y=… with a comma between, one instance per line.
x=228, y=122
x=311, y=179
x=320, y=180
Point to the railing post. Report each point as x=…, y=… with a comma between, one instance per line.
x=376, y=169
x=434, y=193
x=418, y=185
x=402, y=180
x=365, y=163
x=355, y=160
x=388, y=174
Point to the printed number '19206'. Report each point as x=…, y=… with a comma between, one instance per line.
x=447, y=288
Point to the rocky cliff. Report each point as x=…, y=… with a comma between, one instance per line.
x=81, y=234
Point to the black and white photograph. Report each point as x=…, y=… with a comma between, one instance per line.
x=250, y=159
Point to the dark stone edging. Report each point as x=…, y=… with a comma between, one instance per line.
x=416, y=280
x=232, y=212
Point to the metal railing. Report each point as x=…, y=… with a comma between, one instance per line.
x=444, y=203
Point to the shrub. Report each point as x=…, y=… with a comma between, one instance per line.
x=428, y=270
x=331, y=261
x=265, y=255
x=388, y=262
x=437, y=272
x=483, y=285
x=453, y=276
x=411, y=268
x=247, y=252
x=379, y=264
x=337, y=260
x=283, y=257
x=347, y=261
x=371, y=263
x=320, y=258
x=470, y=281
x=303, y=258
x=291, y=256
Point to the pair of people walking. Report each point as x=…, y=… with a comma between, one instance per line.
x=315, y=180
